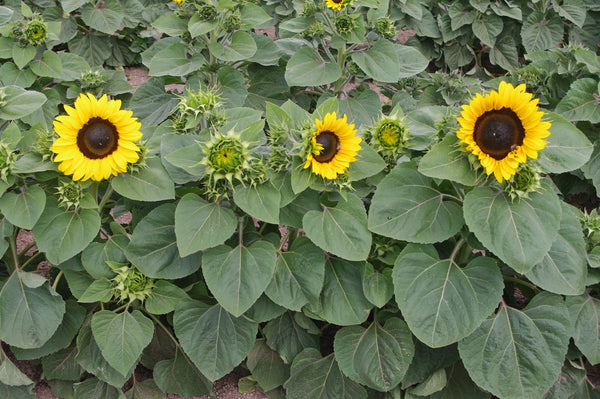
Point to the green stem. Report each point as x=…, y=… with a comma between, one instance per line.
x=57, y=279
x=13, y=250
x=457, y=249
x=284, y=239
x=165, y=329
x=521, y=282
x=105, y=198
x=30, y=260
x=241, y=230
x=27, y=248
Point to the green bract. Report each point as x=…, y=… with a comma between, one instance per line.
x=412, y=274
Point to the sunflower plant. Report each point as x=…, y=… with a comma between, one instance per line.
x=423, y=232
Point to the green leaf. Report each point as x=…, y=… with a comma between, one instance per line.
x=48, y=66
x=146, y=389
x=19, y=392
x=458, y=385
x=238, y=276
x=95, y=256
x=62, y=337
x=376, y=356
x=504, y=53
x=460, y=16
x=23, y=209
x=186, y=158
x=487, y=27
x=91, y=46
x=5, y=15
x=564, y=268
x=581, y=101
x=519, y=353
x=261, y=201
x=519, y=232
x=106, y=18
x=287, y=337
x=173, y=61
x=164, y=298
x=22, y=55
x=368, y=163
x=407, y=207
x=10, y=374
x=179, y=375
x=11, y=75
x=170, y=24
x=242, y=46
x=151, y=103
x=149, y=184
x=342, y=299
x=253, y=16
x=360, y=111
x=316, y=377
x=197, y=26
x=267, y=366
x=304, y=68
x=573, y=10
x=72, y=65
x=380, y=62
x=200, y=225
x=341, y=230
x=20, y=102
x=541, y=33
x=232, y=86
x=591, y=169
x=62, y=365
x=93, y=388
x=445, y=160
x=377, y=287
x=412, y=62
x=100, y=290
x=441, y=301
x=122, y=337
x=213, y=339
x=299, y=275
x=90, y=358
x=153, y=246
x=62, y=234
x=30, y=311
x=567, y=149
x=584, y=311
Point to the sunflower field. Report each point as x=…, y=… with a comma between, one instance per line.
x=337, y=199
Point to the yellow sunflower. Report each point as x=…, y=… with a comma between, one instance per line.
x=503, y=129
x=335, y=4
x=96, y=138
x=333, y=146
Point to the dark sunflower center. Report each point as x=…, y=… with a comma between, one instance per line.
x=98, y=138
x=331, y=145
x=338, y=1
x=498, y=132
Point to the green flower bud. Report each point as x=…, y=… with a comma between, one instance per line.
x=233, y=21
x=526, y=180
x=44, y=142
x=91, y=80
x=315, y=31
x=7, y=158
x=384, y=27
x=208, y=12
x=129, y=284
x=590, y=222
x=344, y=24
x=35, y=32
x=389, y=136
x=70, y=193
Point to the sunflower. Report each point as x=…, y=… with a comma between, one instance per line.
x=333, y=146
x=503, y=129
x=96, y=138
x=335, y=4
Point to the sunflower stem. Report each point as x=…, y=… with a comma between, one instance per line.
x=241, y=230
x=30, y=260
x=56, y=280
x=521, y=282
x=457, y=249
x=161, y=325
x=105, y=198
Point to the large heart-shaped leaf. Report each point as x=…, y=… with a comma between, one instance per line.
x=316, y=377
x=442, y=302
x=564, y=268
x=241, y=47
x=153, y=246
x=287, y=337
x=341, y=230
x=376, y=356
x=306, y=69
x=407, y=207
x=380, y=62
x=149, y=184
x=584, y=311
x=121, y=337
x=519, y=353
x=63, y=234
x=30, y=311
x=213, y=339
x=179, y=375
x=299, y=275
x=200, y=224
x=267, y=366
x=519, y=232
x=238, y=276
x=23, y=209
x=261, y=201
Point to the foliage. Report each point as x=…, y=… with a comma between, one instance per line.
x=412, y=274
